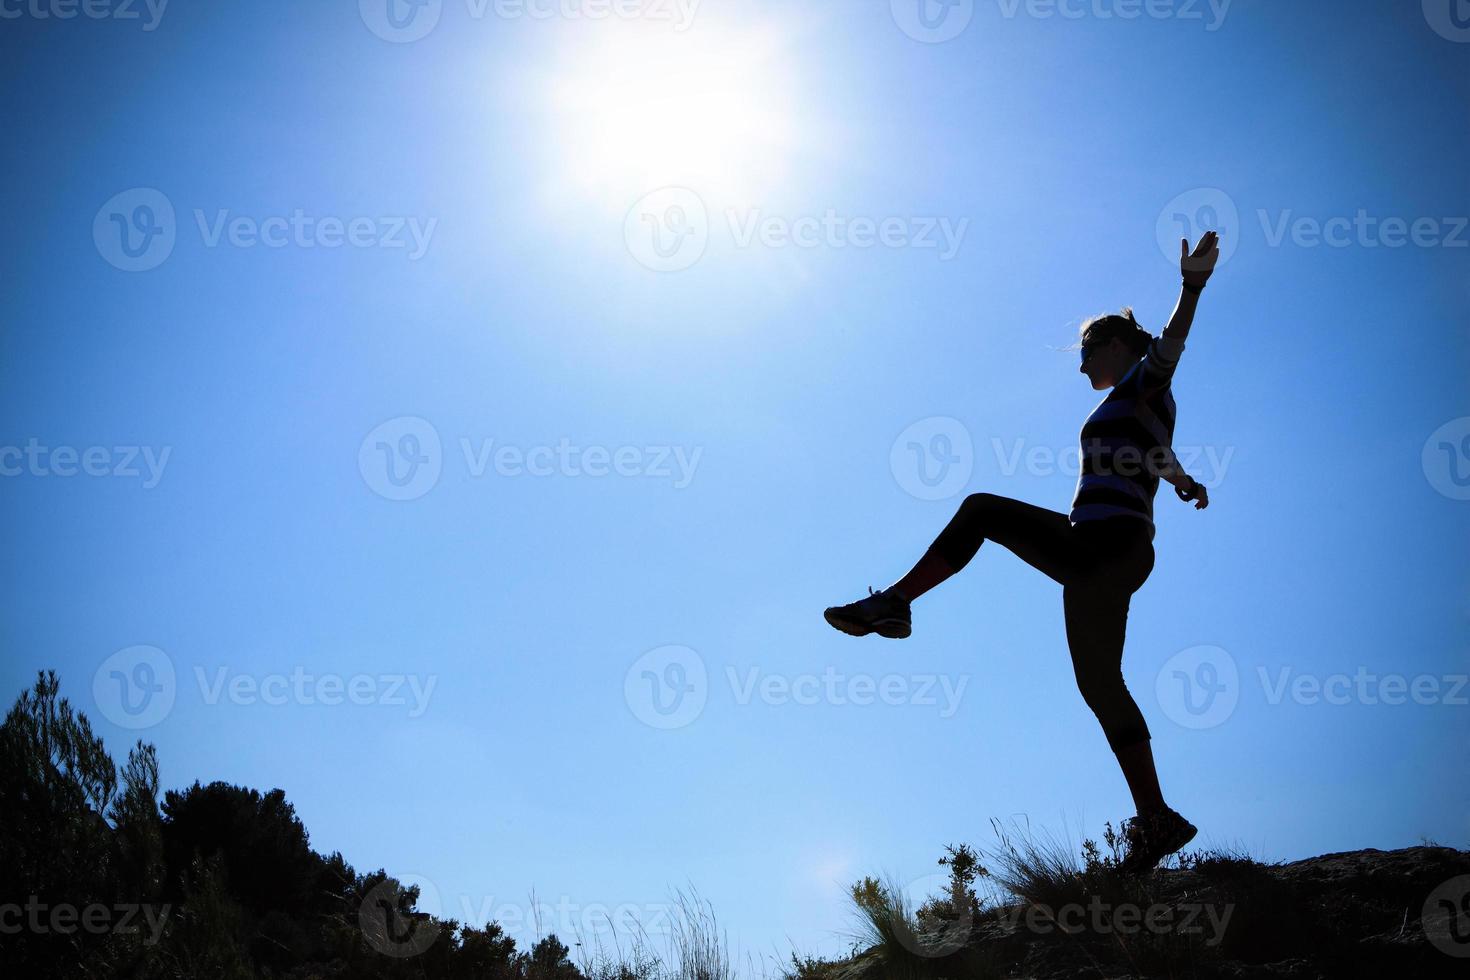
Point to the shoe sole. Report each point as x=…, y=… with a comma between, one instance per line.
x=891, y=629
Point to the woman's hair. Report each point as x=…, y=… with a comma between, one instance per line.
x=1101, y=329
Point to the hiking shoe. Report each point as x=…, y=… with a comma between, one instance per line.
x=1153, y=837
x=885, y=613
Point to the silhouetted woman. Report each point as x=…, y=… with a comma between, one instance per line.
x=1100, y=553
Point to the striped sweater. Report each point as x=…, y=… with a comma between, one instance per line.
x=1130, y=429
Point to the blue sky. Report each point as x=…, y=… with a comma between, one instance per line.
x=866, y=239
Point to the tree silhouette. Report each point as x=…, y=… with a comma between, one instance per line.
x=221, y=881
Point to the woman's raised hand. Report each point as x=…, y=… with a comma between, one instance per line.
x=1198, y=266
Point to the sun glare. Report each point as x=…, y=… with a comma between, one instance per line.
x=639, y=109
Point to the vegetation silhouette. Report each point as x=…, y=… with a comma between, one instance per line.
x=100, y=879
x=219, y=881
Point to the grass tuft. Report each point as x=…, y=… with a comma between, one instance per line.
x=695, y=948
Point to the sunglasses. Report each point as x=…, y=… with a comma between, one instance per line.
x=1087, y=351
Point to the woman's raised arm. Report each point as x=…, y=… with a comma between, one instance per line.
x=1196, y=267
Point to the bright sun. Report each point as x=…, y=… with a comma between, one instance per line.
x=638, y=108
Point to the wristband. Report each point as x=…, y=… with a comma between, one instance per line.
x=1190, y=288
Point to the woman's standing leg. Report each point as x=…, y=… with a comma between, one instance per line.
x=1040, y=537
x=1096, y=623
x=1096, y=602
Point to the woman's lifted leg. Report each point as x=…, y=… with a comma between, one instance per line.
x=1040, y=537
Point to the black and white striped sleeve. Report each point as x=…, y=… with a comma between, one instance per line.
x=1160, y=361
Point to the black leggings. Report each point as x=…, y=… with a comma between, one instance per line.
x=1100, y=564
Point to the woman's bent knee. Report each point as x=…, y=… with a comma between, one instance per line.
x=961, y=539
x=979, y=502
